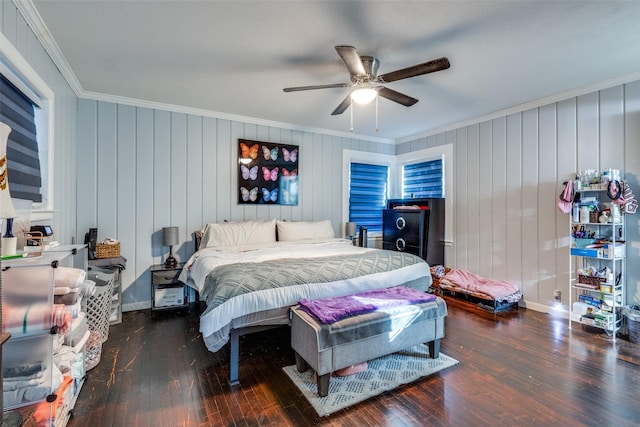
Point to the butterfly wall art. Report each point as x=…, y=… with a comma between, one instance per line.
x=268, y=173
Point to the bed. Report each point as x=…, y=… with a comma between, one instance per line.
x=249, y=279
x=495, y=296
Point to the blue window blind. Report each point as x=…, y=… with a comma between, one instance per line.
x=23, y=161
x=422, y=180
x=367, y=194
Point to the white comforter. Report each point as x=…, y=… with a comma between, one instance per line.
x=270, y=306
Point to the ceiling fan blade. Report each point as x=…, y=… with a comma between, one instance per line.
x=351, y=59
x=395, y=96
x=299, y=88
x=416, y=70
x=343, y=106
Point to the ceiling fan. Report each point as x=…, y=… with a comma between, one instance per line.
x=366, y=83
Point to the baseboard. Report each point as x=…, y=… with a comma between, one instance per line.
x=536, y=306
x=133, y=306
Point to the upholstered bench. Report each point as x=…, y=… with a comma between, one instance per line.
x=327, y=348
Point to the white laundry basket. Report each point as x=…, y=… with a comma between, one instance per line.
x=98, y=308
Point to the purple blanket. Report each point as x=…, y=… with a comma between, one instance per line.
x=330, y=310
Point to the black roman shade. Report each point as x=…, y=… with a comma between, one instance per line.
x=23, y=162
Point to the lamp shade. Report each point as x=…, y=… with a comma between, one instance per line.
x=169, y=236
x=364, y=95
x=350, y=229
x=6, y=205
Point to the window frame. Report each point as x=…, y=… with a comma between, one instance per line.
x=352, y=156
x=18, y=71
x=444, y=152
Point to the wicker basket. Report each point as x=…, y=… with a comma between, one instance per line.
x=108, y=250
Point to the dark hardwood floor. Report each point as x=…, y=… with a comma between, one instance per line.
x=522, y=369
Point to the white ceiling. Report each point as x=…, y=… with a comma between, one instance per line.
x=232, y=58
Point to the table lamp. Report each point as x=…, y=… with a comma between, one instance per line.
x=170, y=238
x=7, y=211
x=350, y=230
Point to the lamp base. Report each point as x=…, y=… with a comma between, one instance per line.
x=170, y=262
x=9, y=246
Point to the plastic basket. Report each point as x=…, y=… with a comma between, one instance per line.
x=633, y=323
x=99, y=310
x=93, y=350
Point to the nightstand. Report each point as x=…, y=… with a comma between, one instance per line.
x=167, y=292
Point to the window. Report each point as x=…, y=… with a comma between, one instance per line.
x=422, y=180
x=368, y=185
x=23, y=162
x=19, y=73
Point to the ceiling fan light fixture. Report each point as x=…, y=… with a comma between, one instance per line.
x=364, y=95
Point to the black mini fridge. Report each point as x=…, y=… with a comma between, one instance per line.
x=415, y=226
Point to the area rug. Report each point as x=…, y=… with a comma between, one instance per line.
x=382, y=374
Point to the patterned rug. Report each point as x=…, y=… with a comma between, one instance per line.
x=382, y=374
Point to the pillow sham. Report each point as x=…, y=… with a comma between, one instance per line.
x=289, y=231
x=238, y=233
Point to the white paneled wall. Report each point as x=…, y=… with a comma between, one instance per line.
x=19, y=35
x=142, y=169
x=131, y=171
x=508, y=175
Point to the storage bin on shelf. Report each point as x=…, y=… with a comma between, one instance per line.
x=592, y=281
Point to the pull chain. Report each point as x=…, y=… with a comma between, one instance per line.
x=376, y=113
x=352, y=107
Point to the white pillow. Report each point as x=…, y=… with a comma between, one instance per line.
x=304, y=230
x=223, y=234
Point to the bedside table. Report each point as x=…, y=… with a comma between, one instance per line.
x=167, y=292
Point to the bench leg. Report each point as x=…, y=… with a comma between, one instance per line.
x=434, y=348
x=301, y=364
x=323, y=384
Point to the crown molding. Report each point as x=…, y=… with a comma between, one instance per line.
x=40, y=29
x=31, y=15
x=562, y=96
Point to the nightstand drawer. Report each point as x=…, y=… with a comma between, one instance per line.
x=164, y=277
x=169, y=297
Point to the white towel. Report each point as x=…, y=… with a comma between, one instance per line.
x=69, y=277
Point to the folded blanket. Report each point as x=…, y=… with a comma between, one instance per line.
x=51, y=379
x=35, y=317
x=76, y=334
x=45, y=411
x=68, y=298
x=330, y=310
x=24, y=371
x=74, y=309
x=61, y=290
x=69, y=277
x=496, y=289
x=88, y=288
